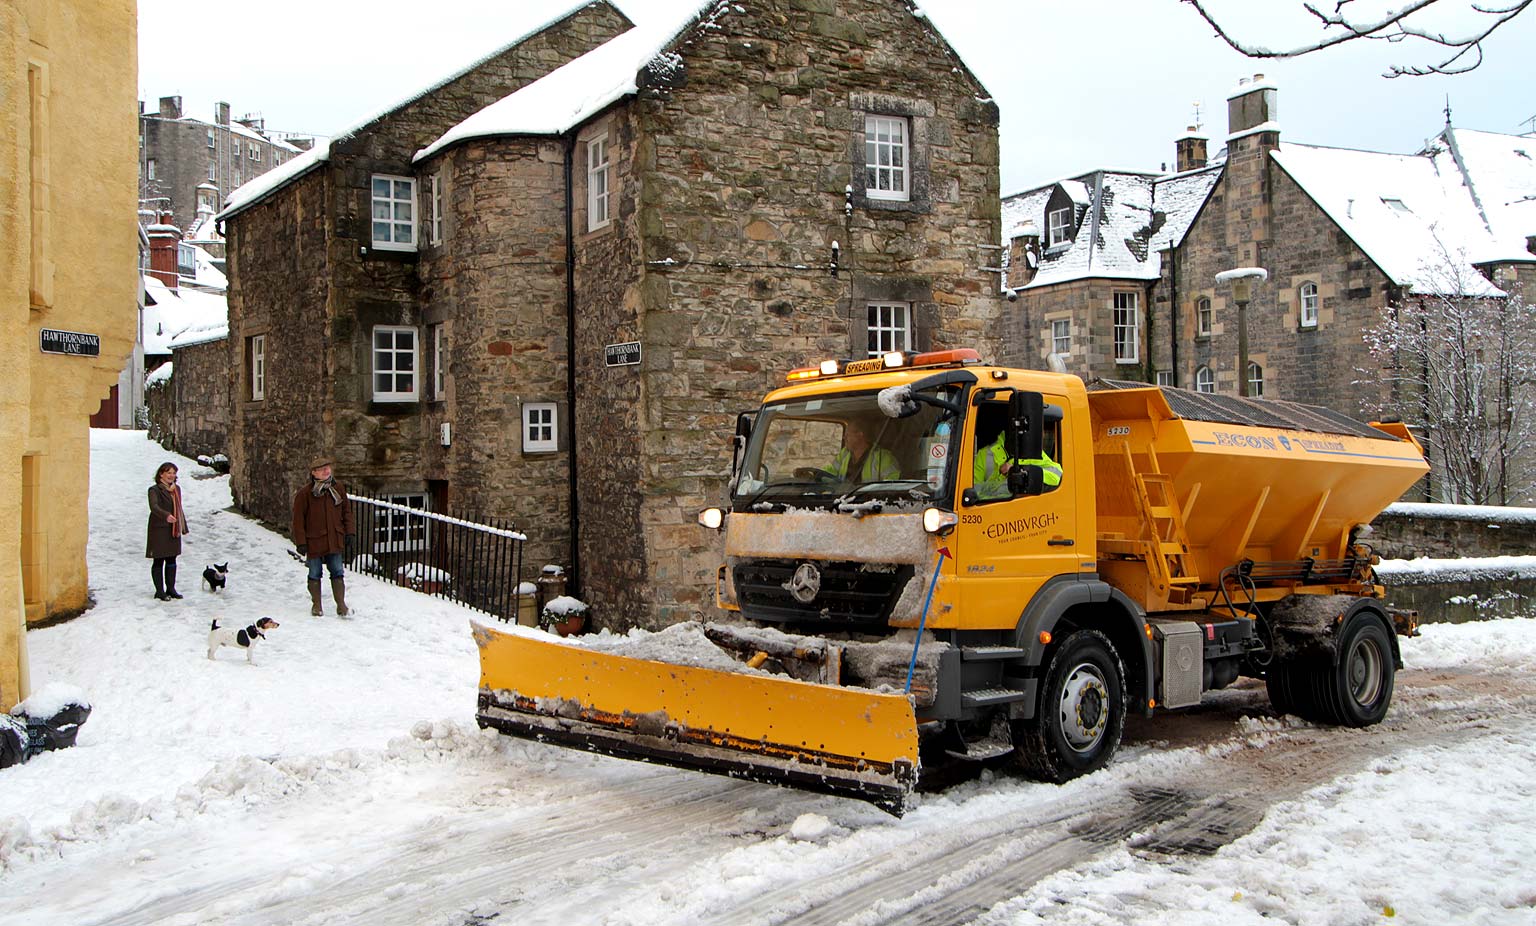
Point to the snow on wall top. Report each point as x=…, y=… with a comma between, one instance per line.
x=1412, y=215
x=572, y=93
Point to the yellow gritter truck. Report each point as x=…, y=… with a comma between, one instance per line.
x=933, y=559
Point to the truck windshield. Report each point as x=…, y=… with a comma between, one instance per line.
x=812, y=451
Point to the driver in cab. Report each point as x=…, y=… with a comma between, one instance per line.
x=860, y=455
x=990, y=470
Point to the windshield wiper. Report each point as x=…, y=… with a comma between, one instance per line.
x=787, y=484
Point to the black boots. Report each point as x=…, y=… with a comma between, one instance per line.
x=163, y=572
x=170, y=580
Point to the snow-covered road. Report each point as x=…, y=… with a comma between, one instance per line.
x=343, y=780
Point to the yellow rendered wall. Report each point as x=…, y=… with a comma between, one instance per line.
x=68, y=260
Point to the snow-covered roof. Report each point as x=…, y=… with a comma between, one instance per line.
x=204, y=228
x=1501, y=172
x=168, y=313
x=1412, y=215
x=252, y=192
x=1124, y=219
x=200, y=333
x=207, y=274
x=574, y=92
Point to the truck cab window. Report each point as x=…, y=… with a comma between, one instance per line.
x=991, y=464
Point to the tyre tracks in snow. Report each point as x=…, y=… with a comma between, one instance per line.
x=1182, y=815
x=554, y=853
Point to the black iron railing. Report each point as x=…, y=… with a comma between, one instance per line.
x=476, y=562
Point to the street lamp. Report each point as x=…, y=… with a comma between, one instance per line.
x=1241, y=292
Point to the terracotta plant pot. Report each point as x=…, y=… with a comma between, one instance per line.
x=573, y=624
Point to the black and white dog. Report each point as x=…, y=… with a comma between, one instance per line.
x=243, y=637
x=216, y=575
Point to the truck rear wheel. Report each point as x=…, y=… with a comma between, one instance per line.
x=1351, y=687
x=1077, y=723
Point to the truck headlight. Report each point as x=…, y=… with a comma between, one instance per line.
x=938, y=521
x=712, y=518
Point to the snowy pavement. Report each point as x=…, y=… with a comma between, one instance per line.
x=342, y=779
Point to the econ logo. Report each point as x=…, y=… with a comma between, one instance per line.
x=1285, y=442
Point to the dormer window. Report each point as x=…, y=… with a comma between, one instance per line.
x=1058, y=225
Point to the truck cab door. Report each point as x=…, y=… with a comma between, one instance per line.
x=1008, y=545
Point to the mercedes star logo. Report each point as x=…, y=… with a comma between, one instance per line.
x=805, y=584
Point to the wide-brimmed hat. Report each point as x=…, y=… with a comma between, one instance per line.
x=319, y=461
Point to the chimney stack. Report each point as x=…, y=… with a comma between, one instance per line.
x=1189, y=151
x=164, y=239
x=1254, y=103
x=1023, y=254
x=221, y=113
x=170, y=107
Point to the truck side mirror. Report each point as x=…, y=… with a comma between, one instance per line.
x=1026, y=427
x=744, y=422
x=1026, y=479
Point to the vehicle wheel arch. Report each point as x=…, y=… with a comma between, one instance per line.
x=1070, y=603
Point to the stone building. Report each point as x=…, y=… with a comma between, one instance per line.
x=66, y=189
x=1117, y=271
x=188, y=166
x=609, y=262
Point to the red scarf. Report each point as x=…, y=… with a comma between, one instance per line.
x=181, y=517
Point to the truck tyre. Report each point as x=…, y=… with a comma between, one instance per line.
x=1078, y=721
x=1351, y=687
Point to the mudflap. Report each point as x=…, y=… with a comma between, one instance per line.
x=849, y=742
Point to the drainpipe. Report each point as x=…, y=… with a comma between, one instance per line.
x=1147, y=376
x=570, y=360
x=1173, y=308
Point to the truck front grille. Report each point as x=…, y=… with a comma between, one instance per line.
x=850, y=593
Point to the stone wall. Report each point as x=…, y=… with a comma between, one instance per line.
x=278, y=273
x=497, y=285
x=1297, y=243
x=201, y=384
x=616, y=427
x=160, y=406
x=309, y=277
x=1453, y=531
x=1088, y=307
x=1456, y=592
x=743, y=177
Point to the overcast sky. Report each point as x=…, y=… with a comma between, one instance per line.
x=1081, y=83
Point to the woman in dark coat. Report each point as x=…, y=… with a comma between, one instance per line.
x=167, y=522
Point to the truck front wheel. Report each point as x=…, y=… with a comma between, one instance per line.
x=1078, y=721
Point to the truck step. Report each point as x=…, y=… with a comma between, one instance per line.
x=991, y=697
x=989, y=653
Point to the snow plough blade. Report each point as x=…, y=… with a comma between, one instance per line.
x=850, y=742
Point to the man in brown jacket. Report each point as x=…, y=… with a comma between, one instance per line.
x=323, y=531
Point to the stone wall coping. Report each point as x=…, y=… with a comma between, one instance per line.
x=1419, y=571
x=1483, y=513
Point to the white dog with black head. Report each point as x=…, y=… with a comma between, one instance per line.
x=243, y=637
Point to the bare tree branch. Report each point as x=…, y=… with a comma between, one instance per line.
x=1463, y=52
